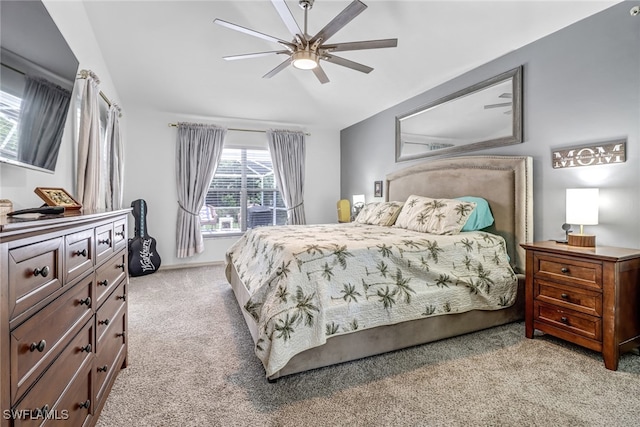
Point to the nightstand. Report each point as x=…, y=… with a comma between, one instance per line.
x=588, y=296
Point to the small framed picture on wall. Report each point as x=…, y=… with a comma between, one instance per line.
x=377, y=189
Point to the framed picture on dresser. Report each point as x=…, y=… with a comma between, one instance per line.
x=57, y=197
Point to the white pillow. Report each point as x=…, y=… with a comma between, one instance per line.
x=379, y=213
x=435, y=216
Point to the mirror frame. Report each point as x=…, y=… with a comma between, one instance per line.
x=515, y=75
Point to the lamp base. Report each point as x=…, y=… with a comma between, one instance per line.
x=583, y=240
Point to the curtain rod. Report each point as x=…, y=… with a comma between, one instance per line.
x=175, y=125
x=83, y=75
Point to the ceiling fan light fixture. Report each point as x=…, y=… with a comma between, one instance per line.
x=304, y=60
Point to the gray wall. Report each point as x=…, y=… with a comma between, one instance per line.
x=581, y=86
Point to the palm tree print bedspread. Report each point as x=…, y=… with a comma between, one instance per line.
x=311, y=282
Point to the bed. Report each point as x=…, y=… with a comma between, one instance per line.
x=504, y=181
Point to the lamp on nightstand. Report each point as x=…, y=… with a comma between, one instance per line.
x=582, y=209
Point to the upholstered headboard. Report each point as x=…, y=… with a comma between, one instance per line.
x=506, y=182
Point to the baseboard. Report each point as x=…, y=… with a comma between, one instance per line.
x=192, y=265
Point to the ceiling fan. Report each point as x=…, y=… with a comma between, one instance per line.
x=305, y=52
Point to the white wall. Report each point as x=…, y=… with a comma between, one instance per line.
x=150, y=154
x=150, y=175
x=17, y=183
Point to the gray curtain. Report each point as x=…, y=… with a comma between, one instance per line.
x=287, y=150
x=42, y=117
x=198, y=151
x=88, y=173
x=115, y=160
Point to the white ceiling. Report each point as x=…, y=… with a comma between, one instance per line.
x=167, y=55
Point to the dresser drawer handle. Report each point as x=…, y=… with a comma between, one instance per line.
x=105, y=241
x=120, y=335
x=564, y=296
x=102, y=368
x=84, y=404
x=86, y=301
x=122, y=297
x=120, y=233
x=104, y=322
x=104, y=282
x=565, y=270
x=44, y=271
x=120, y=266
x=81, y=253
x=40, y=346
x=564, y=320
x=86, y=348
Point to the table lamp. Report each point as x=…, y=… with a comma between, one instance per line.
x=582, y=209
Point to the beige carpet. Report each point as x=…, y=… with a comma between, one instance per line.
x=191, y=363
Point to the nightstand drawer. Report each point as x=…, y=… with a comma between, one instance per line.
x=569, y=320
x=578, y=299
x=568, y=270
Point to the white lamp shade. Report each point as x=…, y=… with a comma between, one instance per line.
x=358, y=198
x=582, y=206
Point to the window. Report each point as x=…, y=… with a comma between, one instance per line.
x=9, y=114
x=242, y=194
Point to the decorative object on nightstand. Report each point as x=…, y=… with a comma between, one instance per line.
x=588, y=296
x=344, y=210
x=582, y=209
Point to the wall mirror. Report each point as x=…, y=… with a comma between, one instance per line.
x=487, y=114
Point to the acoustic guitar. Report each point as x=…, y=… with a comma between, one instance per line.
x=143, y=257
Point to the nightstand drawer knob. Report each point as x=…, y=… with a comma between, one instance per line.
x=564, y=296
x=565, y=270
x=564, y=320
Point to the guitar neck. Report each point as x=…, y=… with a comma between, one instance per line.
x=141, y=218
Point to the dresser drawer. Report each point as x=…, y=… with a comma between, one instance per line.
x=106, y=315
x=78, y=250
x=48, y=389
x=109, y=275
x=76, y=403
x=569, y=320
x=34, y=273
x=104, y=242
x=36, y=342
x=119, y=234
x=110, y=354
x=568, y=270
x=583, y=300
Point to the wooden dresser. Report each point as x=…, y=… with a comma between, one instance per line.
x=588, y=296
x=63, y=316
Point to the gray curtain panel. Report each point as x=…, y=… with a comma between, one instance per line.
x=115, y=161
x=42, y=117
x=88, y=173
x=287, y=150
x=198, y=151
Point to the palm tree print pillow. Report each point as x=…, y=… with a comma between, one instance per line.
x=379, y=213
x=434, y=216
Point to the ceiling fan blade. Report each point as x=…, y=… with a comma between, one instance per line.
x=320, y=74
x=279, y=68
x=347, y=63
x=369, y=44
x=287, y=17
x=342, y=19
x=253, y=55
x=253, y=33
x=502, y=104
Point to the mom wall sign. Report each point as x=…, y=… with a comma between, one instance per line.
x=592, y=155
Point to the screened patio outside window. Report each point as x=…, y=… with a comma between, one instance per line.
x=242, y=194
